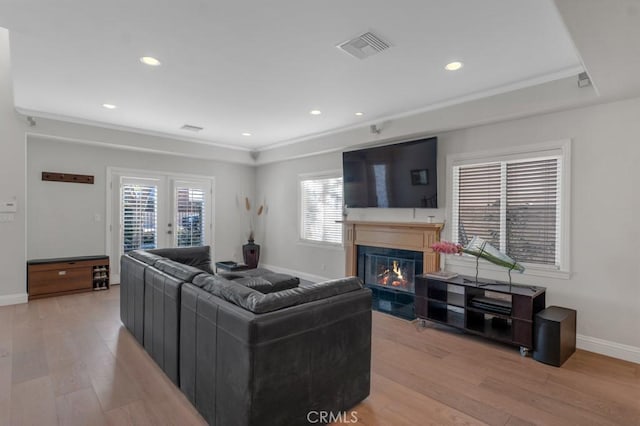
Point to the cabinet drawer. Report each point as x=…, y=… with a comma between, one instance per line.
x=59, y=280
x=57, y=266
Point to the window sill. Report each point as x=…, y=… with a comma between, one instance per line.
x=321, y=244
x=455, y=262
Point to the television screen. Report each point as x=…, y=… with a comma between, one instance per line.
x=399, y=175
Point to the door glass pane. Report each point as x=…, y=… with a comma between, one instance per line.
x=139, y=216
x=190, y=216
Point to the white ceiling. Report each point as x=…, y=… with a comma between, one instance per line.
x=260, y=67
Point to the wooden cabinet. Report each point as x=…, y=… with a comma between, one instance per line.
x=52, y=277
x=493, y=309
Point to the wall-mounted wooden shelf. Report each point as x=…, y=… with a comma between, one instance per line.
x=67, y=177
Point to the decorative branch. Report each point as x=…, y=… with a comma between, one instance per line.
x=247, y=205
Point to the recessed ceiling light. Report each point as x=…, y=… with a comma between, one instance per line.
x=359, y=114
x=453, y=66
x=315, y=112
x=246, y=134
x=150, y=60
x=109, y=106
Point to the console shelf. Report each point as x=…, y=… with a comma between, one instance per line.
x=502, y=312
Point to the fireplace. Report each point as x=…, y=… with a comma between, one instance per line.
x=387, y=256
x=390, y=274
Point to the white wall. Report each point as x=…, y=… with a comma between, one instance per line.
x=137, y=140
x=278, y=185
x=12, y=184
x=542, y=98
x=61, y=216
x=605, y=205
x=605, y=231
x=278, y=230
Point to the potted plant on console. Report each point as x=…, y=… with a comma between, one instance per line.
x=479, y=248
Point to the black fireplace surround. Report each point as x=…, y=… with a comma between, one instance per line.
x=390, y=274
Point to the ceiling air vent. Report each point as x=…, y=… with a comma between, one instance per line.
x=364, y=45
x=191, y=128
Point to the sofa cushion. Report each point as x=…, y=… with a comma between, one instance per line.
x=199, y=257
x=256, y=302
x=265, y=281
x=162, y=320
x=178, y=270
x=145, y=256
x=132, y=273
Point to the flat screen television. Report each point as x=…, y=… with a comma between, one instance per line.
x=401, y=175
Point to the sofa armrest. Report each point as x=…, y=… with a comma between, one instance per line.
x=199, y=257
x=132, y=273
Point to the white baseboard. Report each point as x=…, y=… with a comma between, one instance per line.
x=587, y=343
x=299, y=274
x=14, y=299
x=608, y=348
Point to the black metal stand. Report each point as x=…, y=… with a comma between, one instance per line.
x=479, y=284
x=513, y=265
x=509, y=272
x=478, y=260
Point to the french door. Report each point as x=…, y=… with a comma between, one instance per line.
x=158, y=211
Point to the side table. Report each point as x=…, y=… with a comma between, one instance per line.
x=231, y=266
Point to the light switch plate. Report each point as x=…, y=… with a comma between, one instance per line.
x=8, y=206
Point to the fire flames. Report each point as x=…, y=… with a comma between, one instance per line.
x=393, y=276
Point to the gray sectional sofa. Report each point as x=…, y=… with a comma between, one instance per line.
x=251, y=347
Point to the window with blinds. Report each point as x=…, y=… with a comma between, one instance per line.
x=479, y=201
x=321, y=209
x=139, y=216
x=514, y=205
x=190, y=216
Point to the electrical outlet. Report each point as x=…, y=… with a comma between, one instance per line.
x=7, y=217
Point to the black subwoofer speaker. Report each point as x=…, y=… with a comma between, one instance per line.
x=554, y=335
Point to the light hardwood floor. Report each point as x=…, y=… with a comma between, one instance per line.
x=68, y=361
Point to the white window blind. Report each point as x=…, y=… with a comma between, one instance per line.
x=321, y=209
x=190, y=216
x=514, y=205
x=478, y=207
x=533, y=210
x=139, y=216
